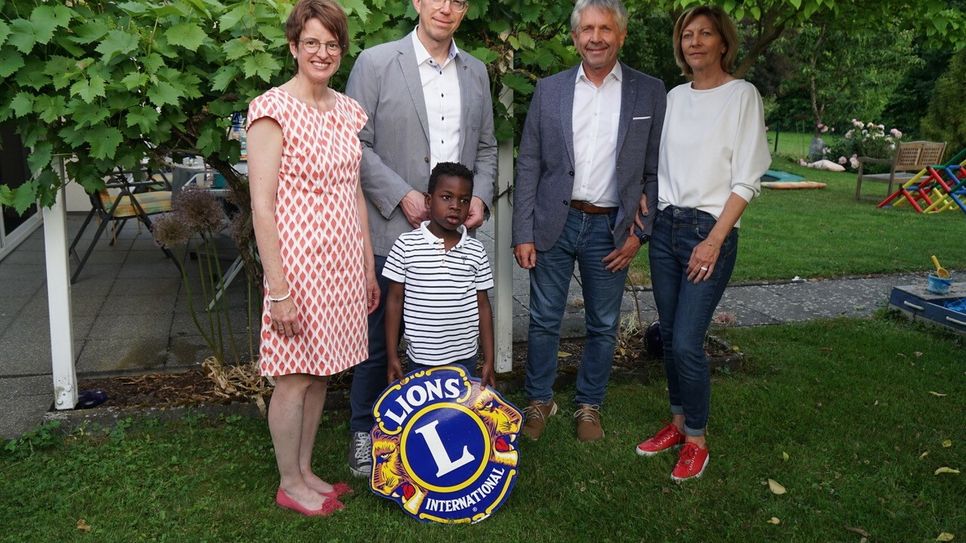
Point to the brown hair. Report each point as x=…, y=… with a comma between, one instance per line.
x=722, y=24
x=328, y=12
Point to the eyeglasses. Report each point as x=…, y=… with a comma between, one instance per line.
x=312, y=46
x=455, y=5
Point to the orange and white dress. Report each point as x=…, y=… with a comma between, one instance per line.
x=320, y=236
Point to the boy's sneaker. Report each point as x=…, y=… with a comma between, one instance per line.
x=691, y=462
x=535, y=417
x=360, y=454
x=588, y=422
x=666, y=438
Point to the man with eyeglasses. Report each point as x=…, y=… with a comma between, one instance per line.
x=428, y=102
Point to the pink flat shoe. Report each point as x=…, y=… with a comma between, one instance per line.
x=338, y=490
x=329, y=506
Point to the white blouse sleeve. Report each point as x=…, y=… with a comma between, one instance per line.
x=750, y=158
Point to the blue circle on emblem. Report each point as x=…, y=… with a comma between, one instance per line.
x=445, y=447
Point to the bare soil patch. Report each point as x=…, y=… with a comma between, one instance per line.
x=202, y=386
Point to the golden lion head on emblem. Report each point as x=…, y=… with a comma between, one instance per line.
x=388, y=476
x=503, y=423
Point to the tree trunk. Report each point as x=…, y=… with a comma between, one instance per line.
x=818, y=109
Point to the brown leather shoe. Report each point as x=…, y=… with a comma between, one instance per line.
x=588, y=422
x=535, y=416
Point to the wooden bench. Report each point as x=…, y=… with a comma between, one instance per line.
x=910, y=158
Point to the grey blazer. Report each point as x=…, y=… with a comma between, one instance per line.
x=545, y=167
x=395, y=141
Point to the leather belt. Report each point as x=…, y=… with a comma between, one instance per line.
x=589, y=208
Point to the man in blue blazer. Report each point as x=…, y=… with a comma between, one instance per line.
x=586, y=191
x=427, y=102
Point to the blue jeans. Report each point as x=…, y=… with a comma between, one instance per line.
x=586, y=240
x=685, y=309
x=369, y=377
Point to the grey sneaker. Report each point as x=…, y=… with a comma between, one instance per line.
x=535, y=416
x=360, y=454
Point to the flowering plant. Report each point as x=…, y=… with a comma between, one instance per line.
x=199, y=213
x=864, y=139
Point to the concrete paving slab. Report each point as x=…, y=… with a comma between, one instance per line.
x=183, y=325
x=156, y=287
x=95, y=281
x=13, y=272
x=25, y=348
x=113, y=256
x=27, y=284
x=23, y=403
x=18, y=257
x=11, y=304
x=830, y=300
x=190, y=350
x=138, y=304
x=113, y=326
x=769, y=302
x=122, y=354
x=33, y=243
x=136, y=268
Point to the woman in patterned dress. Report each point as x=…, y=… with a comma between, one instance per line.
x=312, y=232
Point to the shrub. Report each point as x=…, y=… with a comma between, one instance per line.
x=864, y=139
x=946, y=120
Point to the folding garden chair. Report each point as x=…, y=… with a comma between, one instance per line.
x=126, y=195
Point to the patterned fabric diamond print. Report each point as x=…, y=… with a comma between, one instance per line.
x=319, y=234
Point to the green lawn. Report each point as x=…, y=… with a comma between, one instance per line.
x=826, y=233
x=863, y=410
x=795, y=144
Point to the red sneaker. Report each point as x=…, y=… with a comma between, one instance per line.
x=691, y=463
x=668, y=437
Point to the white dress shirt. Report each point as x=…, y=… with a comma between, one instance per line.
x=441, y=92
x=596, y=112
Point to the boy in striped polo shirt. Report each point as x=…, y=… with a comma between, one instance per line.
x=438, y=277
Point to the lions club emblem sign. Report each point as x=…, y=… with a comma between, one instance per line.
x=443, y=448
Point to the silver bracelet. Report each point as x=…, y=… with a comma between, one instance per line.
x=280, y=298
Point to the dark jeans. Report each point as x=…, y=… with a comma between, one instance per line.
x=369, y=377
x=468, y=364
x=586, y=240
x=685, y=309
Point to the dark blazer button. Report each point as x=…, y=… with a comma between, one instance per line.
x=566, y=203
x=426, y=159
x=570, y=173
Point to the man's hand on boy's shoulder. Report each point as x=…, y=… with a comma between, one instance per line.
x=487, y=375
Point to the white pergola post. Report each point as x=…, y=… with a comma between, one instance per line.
x=503, y=259
x=58, y=298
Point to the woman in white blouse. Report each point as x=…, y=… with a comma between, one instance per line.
x=713, y=153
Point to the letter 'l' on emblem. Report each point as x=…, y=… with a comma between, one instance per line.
x=444, y=464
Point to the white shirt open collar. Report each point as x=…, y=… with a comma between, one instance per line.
x=431, y=237
x=422, y=55
x=616, y=72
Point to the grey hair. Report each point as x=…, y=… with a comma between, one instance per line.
x=614, y=6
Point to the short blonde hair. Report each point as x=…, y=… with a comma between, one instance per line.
x=721, y=22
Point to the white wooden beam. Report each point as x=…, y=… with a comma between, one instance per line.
x=503, y=259
x=58, y=298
